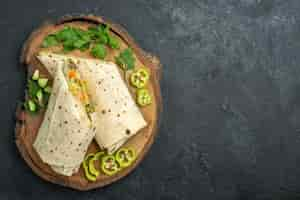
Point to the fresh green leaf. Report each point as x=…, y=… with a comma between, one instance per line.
x=98, y=34
x=68, y=45
x=92, y=32
x=105, y=29
x=33, y=88
x=79, y=43
x=103, y=39
x=82, y=34
x=126, y=60
x=49, y=41
x=113, y=42
x=99, y=51
x=85, y=47
x=66, y=34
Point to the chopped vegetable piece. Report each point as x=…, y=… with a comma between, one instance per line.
x=89, y=108
x=85, y=166
x=98, y=34
x=49, y=41
x=109, y=165
x=143, y=97
x=42, y=82
x=72, y=74
x=66, y=34
x=47, y=89
x=35, y=75
x=125, y=156
x=103, y=39
x=92, y=168
x=113, y=42
x=99, y=51
x=125, y=59
x=139, y=78
x=33, y=88
x=39, y=96
x=106, y=29
x=79, y=43
x=32, y=107
x=68, y=45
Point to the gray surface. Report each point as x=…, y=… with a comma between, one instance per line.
x=231, y=88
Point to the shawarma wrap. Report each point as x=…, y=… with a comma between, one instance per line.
x=66, y=131
x=117, y=116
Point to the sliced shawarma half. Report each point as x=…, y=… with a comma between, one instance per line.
x=66, y=131
x=117, y=116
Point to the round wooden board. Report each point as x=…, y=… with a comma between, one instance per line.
x=27, y=125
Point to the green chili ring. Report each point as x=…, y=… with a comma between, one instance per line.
x=143, y=97
x=109, y=165
x=139, y=78
x=92, y=168
x=125, y=157
x=85, y=166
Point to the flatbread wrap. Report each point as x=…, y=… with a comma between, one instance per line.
x=66, y=131
x=117, y=116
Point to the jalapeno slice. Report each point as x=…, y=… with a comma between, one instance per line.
x=92, y=168
x=125, y=157
x=85, y=166
x=109, y=165
x=143, y=97
x=139, y=78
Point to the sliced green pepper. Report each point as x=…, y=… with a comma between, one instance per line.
x=85, y=166
x=48, y=89
x=139, y=78
x=39, y=96
x=143, y=97
x=92, y=168
x=31, y=106
x=125, y=156
x=109, y=165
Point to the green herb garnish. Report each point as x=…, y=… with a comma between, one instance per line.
x=113, y=42
x=99, y=51
x=66, y=34
x=49, y=41
x=73, y=38
x=126, y=60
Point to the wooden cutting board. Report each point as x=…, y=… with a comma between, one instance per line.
x=27, y=125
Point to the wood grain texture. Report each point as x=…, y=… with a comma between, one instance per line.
x=27, y=125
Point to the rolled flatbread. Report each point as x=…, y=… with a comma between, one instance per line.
x=117, y=116
x=66, y=131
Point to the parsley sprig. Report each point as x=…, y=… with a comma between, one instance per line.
x=71, y=38
x=125, y=59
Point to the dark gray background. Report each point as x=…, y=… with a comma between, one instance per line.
x=231, y=89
